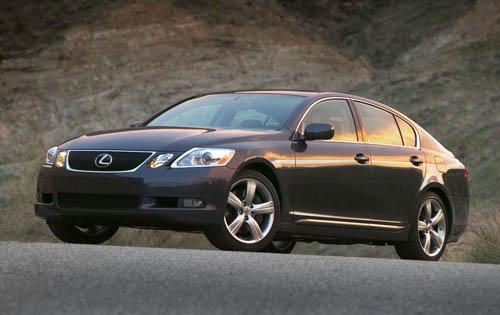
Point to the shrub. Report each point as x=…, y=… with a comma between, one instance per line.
x=485, y=247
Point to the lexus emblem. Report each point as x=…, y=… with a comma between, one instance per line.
x=103, y=160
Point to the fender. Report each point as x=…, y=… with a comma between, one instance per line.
x=274, y=176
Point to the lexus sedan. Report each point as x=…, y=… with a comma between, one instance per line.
x=259, y=171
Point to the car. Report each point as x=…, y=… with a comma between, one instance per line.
x=260, y=171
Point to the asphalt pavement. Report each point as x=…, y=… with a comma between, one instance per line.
x=40, y=278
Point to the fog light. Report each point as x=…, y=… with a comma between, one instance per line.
x=192, y=203
x=160, y=160
x=61, y=158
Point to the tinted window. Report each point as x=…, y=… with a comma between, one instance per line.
x=380, y=126
x=409, y=138
x=336, y=113
x=232, y=111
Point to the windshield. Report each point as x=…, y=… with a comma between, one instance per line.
x=231, y=111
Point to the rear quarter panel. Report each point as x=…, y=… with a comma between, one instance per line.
x=448, y=174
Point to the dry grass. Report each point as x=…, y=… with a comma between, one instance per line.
x=17, y=193
x=485, y=245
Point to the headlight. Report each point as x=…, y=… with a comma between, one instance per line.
x=160, y=160
x=61, y=158
x=203, y=157
x=50, y=157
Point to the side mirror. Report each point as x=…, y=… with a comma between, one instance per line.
x=319, y=131
x=135, y=123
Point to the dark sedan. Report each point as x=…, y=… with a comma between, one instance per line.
x=260, y=170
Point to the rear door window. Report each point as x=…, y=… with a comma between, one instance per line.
x=379, y=125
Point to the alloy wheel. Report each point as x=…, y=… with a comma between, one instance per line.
x=432, y=227
x=250, y=210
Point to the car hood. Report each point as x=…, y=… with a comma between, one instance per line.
x=161, y=139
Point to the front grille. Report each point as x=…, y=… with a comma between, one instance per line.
x=122, y=161
x=97, y=201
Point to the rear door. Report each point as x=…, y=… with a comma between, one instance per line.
x=397, y=165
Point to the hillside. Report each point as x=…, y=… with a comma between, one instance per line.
x=69, y=67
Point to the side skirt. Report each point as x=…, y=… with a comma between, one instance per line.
x=320, y=227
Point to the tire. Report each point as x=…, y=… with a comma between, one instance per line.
x=426, y=229
x=70, y=233
x=241, y=215
x=280, y=247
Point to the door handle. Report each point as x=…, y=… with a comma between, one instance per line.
x=415, y=160
x=361, y=158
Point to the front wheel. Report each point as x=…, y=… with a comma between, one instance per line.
x=251, y=217
x=428, y=234
x=81, y=234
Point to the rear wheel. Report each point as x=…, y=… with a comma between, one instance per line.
x=81, y=234
x=251, y=217
x=428, y=234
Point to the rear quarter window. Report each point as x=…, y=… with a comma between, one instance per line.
x=407, y=132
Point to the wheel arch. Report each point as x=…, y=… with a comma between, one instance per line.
x=442, y=192
x=266, y=168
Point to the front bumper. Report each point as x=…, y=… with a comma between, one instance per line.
x=211, y=185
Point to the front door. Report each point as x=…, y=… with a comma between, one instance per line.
x=330, y=176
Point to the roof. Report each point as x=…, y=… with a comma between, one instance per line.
x=301, y=93
x=285, y=92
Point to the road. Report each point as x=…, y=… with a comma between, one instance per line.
x=39, y=278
